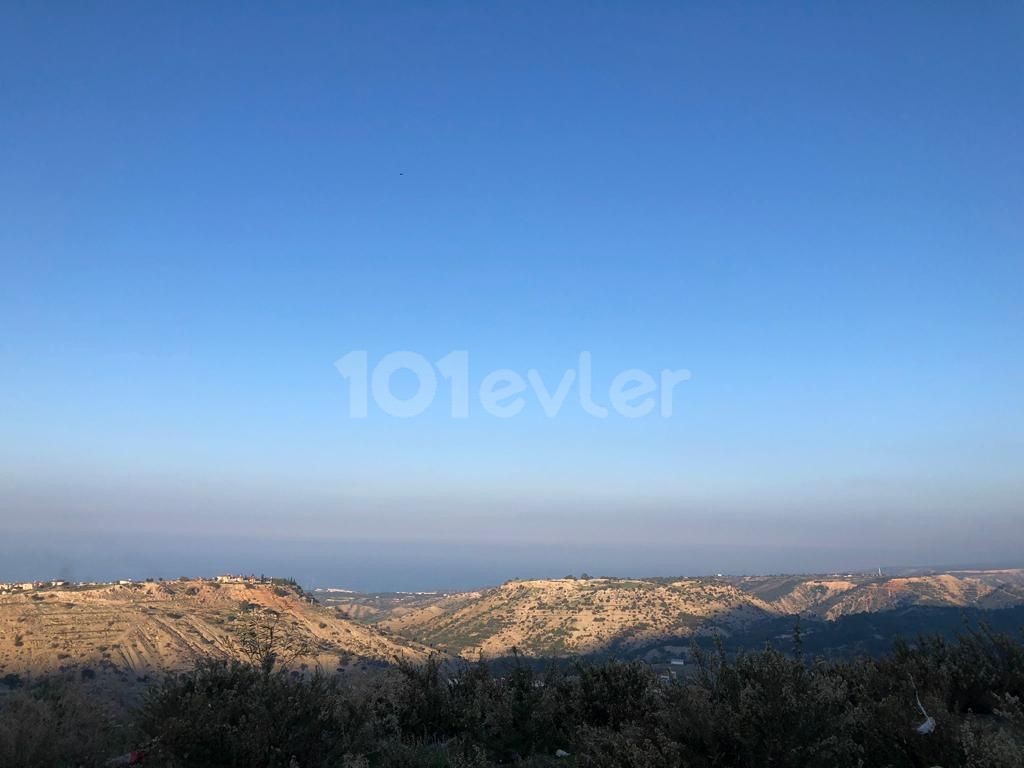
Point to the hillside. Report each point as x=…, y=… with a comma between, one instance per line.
x=376, y=606
x=575, y=616
x=591, y=616
x=129, y=631
x=833, y=597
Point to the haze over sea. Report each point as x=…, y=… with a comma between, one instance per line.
x=389, y=565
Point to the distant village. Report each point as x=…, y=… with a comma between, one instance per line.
x=227, y=578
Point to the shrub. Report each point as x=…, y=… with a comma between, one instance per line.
x=11, y=680
x=57, y=723
x=233, y=715
x=756, y=709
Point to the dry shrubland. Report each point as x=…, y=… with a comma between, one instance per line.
x=766, y=708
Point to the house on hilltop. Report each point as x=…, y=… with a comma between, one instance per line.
x=231, y=578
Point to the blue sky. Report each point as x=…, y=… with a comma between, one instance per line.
x=817, y=211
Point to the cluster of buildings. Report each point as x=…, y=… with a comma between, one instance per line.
x=26, y=586
x=232, y=578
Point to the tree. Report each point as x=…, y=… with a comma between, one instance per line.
x=265, y=640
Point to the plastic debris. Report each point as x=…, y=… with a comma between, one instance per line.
x=929, y=722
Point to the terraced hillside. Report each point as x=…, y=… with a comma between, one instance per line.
x=133, y=630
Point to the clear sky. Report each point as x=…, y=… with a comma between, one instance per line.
x=818, y=210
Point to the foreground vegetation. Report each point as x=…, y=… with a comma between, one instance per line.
x=761, y=709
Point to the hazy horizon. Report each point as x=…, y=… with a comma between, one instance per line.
x=809, y=217
x=390, y=565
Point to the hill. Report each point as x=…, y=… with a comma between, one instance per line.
x=558, y=617
x=832, y=597
x=129, y=631
x=574, y=616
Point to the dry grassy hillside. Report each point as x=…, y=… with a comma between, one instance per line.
x=580, y=616
x=133, y=630
x=833, y=597
x=939, y=590
x=569, y=616
x=797, y=594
